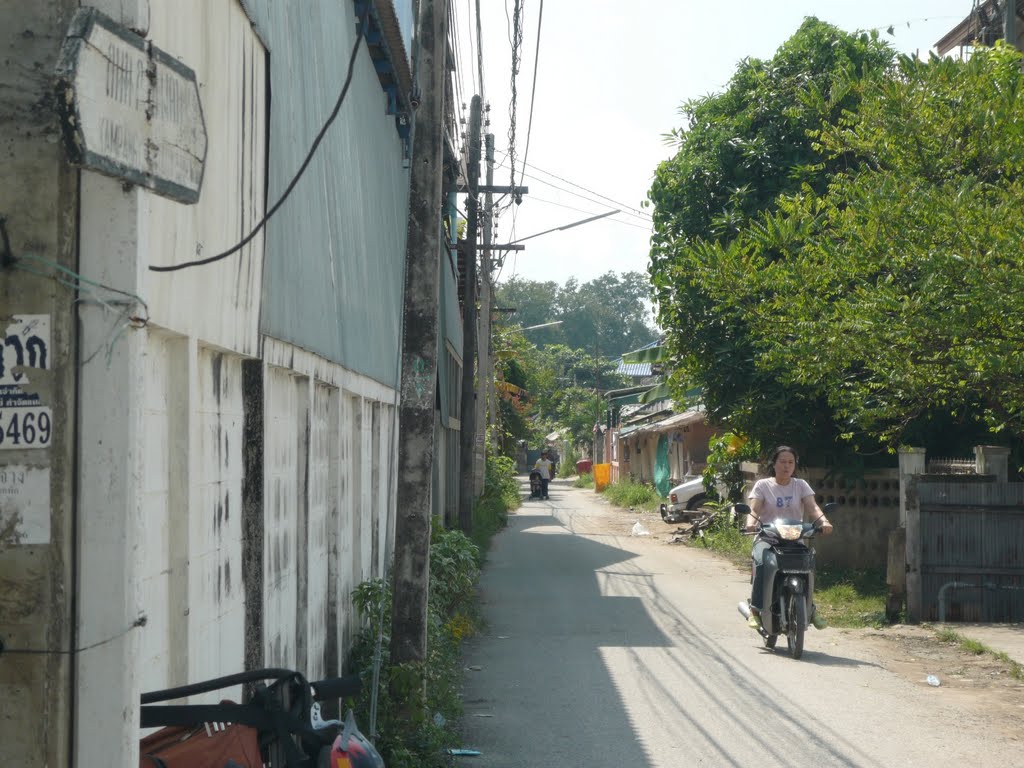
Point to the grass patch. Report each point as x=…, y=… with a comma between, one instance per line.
x=978, y=648
x=851, y=597
x=631, y=494
x=586, y=480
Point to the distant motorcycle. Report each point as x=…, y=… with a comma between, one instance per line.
x=788, y=580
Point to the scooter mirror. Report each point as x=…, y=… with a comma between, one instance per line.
x=830, y=508
x=741, y=508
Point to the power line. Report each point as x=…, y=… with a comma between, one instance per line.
x=624, y=208
x=628, y=208
x=535, y=199
x=302, y=169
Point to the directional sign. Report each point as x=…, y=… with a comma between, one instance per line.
x=130, y=110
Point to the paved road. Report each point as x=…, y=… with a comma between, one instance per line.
x=608, y=651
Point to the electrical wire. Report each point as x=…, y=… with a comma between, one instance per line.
x=640, y=213
x=625, y=209
x=535, y=199
x=295, y=180
x=140, y=622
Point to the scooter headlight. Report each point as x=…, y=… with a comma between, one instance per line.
x=789, y=532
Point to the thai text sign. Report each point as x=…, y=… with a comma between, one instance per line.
x=130, y=110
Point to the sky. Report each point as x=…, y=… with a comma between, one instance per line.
x=610, y=79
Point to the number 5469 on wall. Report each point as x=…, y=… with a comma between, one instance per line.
x=25, y=428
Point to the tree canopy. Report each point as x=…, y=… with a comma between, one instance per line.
x=837, y=246
x=606, y=316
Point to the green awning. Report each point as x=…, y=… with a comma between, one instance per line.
x=633, y=399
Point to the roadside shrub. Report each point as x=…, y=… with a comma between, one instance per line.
x=586, y=480
x=567, y=463
x=414, y=727
x=629, y=493
x=726, y=453
x=501, y=493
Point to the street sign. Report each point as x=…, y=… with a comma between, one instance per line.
x=130, y=110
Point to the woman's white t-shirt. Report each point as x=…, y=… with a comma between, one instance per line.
x=780, y=502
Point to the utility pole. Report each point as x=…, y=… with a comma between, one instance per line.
x=467, y=434
x=419, y=347
x=1010, y=22
x=485, y=393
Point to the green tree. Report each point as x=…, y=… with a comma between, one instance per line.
x=901, y=291
x=738, y=152
x=605, y=316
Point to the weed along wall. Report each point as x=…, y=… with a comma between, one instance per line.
x=869, y=508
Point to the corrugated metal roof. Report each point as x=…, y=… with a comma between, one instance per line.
x=634, y=369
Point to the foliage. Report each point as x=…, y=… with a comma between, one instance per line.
x=605, y=316
x=851, y=597
x=726, y=453
x=586, y=480
x=738, y=152
x=501, y=494
x=567, y=462
x=724, y=537
x=452, y=616
x=904, y=279
x=629, y=493
x=432, y=687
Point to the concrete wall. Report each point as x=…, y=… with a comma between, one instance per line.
x=869, y=509
x=218, y=494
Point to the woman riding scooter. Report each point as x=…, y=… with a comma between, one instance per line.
x=777, y=497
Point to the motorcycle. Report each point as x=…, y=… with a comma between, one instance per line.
x=788, y=580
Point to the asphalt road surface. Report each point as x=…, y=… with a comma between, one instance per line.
x=606, y=650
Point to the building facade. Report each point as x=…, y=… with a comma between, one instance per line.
x=220, y=455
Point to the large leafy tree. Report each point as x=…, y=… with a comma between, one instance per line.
x=899, y=290
x=738, y=152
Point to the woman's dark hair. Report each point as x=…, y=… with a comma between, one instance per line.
x=775, y=456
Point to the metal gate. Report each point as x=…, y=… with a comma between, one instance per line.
x=965, y=550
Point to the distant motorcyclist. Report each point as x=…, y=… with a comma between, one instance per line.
x=781, y=496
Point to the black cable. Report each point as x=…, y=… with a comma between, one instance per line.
x=295, y=180
x=139, y=622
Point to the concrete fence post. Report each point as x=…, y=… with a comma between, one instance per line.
x=992, y=460
x=912, y=465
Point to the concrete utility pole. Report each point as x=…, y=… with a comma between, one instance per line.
x=419, y=347
x=1010, y=22
x=467, y=435
x=485, y=394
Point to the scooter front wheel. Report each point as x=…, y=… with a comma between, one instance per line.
x=797, y=615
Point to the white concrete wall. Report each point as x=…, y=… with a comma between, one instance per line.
x=161, y=599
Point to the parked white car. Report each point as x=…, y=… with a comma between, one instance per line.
x=684, y=501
